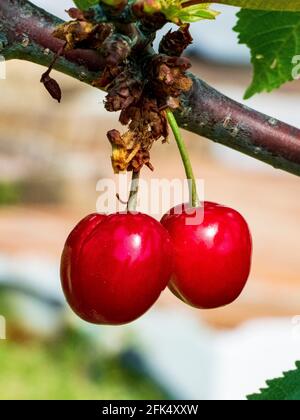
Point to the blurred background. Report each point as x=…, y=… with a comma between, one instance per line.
x=51, y=157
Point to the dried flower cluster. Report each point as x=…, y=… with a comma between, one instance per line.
x=139, y=83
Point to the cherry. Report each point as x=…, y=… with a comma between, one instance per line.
x=114, y=268
x=212, y=258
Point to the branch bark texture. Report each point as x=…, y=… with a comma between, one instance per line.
x=26, y=34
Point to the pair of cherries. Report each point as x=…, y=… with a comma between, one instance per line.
x=114, y=267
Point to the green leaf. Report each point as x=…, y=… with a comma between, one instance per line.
x=195, y=13
x=176, y=12
x=274, y=41
x=279, y=5
x=85, y=4
x=286, y=388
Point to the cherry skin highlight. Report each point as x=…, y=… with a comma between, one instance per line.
x=113, y=268
x=212, y=254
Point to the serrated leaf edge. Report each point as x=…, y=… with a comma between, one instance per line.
x=270, y=381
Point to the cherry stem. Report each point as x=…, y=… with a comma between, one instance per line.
x=134, y=189
x=194, y=200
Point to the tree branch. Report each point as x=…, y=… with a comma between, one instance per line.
x=26, y=33
x=211, y=114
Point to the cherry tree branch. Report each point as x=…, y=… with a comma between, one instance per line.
x=213, y=115
x=26, y=33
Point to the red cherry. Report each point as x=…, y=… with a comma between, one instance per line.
x=114, y=268
x=212, y=258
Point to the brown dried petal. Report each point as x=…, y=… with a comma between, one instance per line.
x=124, y=149
x=79, y=31
x=168, y=77
x=174, y=43
x=107, y=76
x=173, y=103
x=125, y=91
x=141, y=158
x=100, y=34
x=76, y=14
x=115, y=138
x=115, y=50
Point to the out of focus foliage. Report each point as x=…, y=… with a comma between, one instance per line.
x=69, y=366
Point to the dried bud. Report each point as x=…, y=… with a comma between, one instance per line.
x=52, y=86
x=138, y=84
x=115, y=138
x=168, y=77
x=124, y=149
x=107, y=76
x=80, y=31
x=76, y=14
x=153, y=21
x=125, y=90
x=141, y=158
x=174, y=43
x=116, y=49
x=101, y=33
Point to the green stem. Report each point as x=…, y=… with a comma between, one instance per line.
x=134, y=189
x=194, y=200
